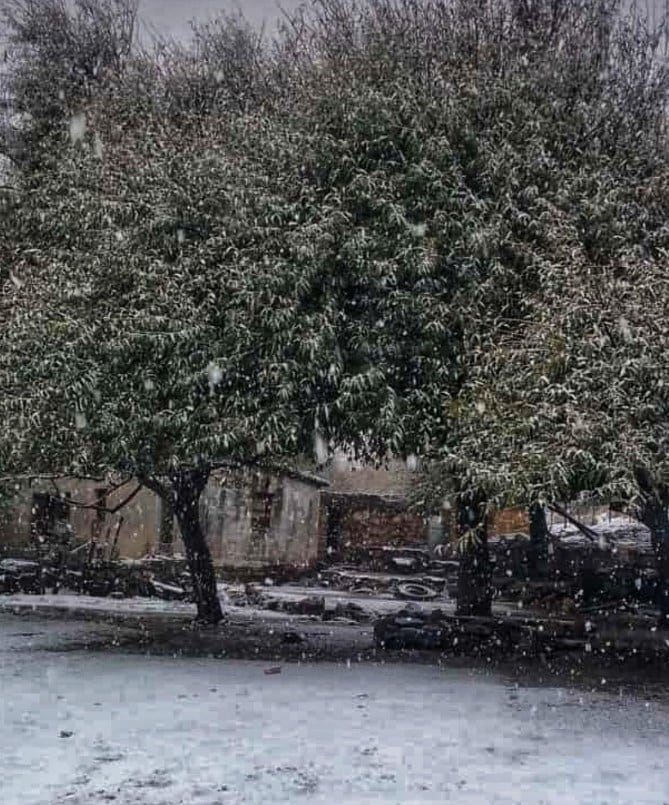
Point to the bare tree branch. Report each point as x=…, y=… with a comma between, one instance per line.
x=588, y=532
x=98, y=507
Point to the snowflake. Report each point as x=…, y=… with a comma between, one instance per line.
x=77, y=127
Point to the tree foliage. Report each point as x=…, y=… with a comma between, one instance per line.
x=457, y=251
x=61, y=54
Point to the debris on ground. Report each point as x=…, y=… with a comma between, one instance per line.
x=79, y=571
x=20, y=576
x=413, y=628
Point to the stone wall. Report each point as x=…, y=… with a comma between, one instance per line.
x=259, y=520
x=138, y=521
x=358, y=522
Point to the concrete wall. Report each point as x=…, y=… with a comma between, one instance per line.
x=291, y=535
x=139, y=520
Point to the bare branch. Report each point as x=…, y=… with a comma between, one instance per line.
x=155, y=486
x=588, y=532
x=98, y=507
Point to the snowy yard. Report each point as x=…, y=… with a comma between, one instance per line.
x=85, y=728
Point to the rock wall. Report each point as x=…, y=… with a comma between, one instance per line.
x=258, y=520
x=361, y=522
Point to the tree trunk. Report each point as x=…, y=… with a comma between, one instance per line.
x=166, y=535
x=539, y=538
x=474, y=575
x=187, y=487
x=655, y=517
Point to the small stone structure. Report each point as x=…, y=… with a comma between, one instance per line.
x=365, y=522
x=133, y=528
x=263, y=519
x=255, y=519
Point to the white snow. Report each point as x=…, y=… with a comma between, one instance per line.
x=146, y=607
x=149, y=730
x=321, y=452
x=78, y=127
x=98, y=147
x=215, y=375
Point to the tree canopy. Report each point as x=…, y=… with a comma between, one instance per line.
x=458, y=251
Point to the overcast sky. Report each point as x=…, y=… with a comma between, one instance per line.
x=172, y=17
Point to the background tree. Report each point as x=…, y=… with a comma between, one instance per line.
x=60, y=54
x=449, y=181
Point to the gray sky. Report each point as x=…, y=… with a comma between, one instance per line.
x=172, y=16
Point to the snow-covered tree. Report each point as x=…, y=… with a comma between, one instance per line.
x=374, y=263
x=463, y=166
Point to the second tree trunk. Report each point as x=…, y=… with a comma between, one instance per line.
x=656, y=519
x=474, y=575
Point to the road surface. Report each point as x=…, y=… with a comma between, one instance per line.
x=91, y=727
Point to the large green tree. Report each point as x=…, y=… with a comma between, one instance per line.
x=135, y=336
x=462, y=167
x=140, y=333
x=224, y=269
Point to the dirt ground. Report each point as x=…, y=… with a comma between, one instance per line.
x=90, y=718
x=163, y=628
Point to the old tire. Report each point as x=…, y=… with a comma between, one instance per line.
x=414, y=591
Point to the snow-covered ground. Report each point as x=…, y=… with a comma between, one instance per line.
x=87, y=728
x=380, y=604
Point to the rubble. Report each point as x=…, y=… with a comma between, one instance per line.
x=162, y=577
x=348, y=579
x=20, y=575
x=413, y=628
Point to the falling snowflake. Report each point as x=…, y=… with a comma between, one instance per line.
x=412, y=462
x=625, y=329
x=98, y=148
x=77, y=127
x=320, y=448
x=215, y=375
x=80, y=420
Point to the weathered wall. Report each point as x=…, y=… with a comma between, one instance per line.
x=356, y=477
x=359, y=521
x=252, y=519
x=290, y=535
x=15, y=518
x=139, y=520
x=509, y=521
